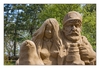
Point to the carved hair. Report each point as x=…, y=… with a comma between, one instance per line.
x=39, y=34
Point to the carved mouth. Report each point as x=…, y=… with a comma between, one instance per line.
x=74, y=34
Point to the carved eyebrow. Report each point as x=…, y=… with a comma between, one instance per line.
x=71, y=21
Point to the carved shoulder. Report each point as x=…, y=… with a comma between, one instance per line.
x=86, y=42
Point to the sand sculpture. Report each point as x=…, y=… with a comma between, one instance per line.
x=79, y=50
x=28, y=54
x=51, y=45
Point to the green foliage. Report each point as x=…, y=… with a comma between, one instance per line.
x=57, y=11
x=7, y=61
x=20, y=21
x=89, y=23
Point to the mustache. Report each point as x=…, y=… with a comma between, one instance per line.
x=74, y=33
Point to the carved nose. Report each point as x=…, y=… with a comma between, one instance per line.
x=73, y=28
x=49, y=31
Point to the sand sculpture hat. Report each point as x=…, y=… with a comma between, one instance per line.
x=72, y=15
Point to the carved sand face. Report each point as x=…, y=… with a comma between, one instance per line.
x=48, y=31
x=72, y=30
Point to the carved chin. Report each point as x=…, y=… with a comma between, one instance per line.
x=73, y=38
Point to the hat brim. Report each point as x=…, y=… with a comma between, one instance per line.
x=72, y=19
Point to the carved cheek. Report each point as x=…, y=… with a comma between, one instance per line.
x=68, y=29
x=48, y=33
x=79, y=30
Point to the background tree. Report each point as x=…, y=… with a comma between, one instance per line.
x=57, y=11
x=20, y=21
x=89, y=23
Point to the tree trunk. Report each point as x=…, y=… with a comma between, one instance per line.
x=15, y=38
x=15, y=48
